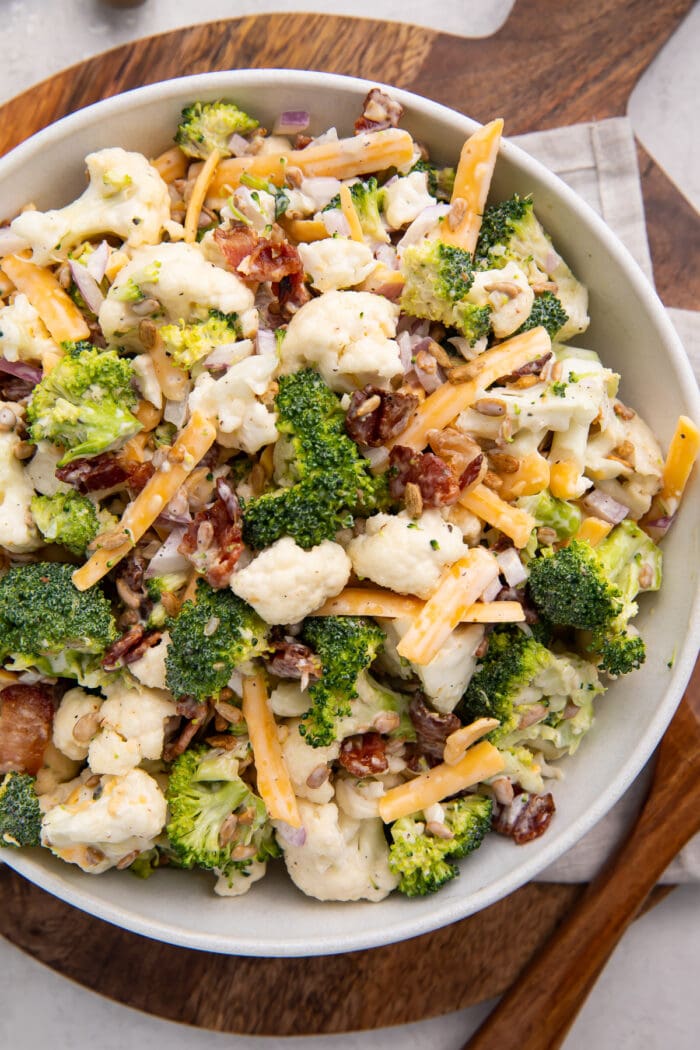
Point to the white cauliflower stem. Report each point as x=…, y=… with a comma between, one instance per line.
x=348, y=336
x=97, y=826
x=342, y=859
x=126, y=197
x=406, y=556
x=285, y=583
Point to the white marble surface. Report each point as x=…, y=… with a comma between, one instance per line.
x=646, y=998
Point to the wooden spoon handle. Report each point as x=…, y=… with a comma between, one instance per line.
x=541, y=1005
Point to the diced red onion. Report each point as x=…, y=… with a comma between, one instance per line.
x=97, y=262
x=177, y=511
x=87, y=286
x=430, y=381
x=238, y=145
x=168, y=559
x=265, y=342
x=386, y=254
x=405, y=346
x=224, y=356
x=291, y=121
x=489, y=594
x=290, y=836
x=10, y=242
x=603, y=506
x=335, y=222
x=422, y=224
x=21, y=370
x=175, y=412
x=512, y=567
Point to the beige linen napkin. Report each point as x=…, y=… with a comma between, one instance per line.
x=599, y=161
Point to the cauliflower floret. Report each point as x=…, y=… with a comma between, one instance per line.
x=256, y=205
x=97, y=826
x=404, y=555
x=132, y=728
x=238, y=881
x=75, y=706
x=23, y=336
x=243, y=421
x=285, y=583
x=150, y=668
x=56, y=771
x=336, y=262
x=17, y=530
x=302, y=761
x=406, y=198
x=288, y=700
x=348, y=336
x=342, y=859
x=146, y=380
x=41, y=469
x=359, y=799
x=126, y=197
x=632, y=475
x=180, y=277
x=449, y=672
x=510, y=306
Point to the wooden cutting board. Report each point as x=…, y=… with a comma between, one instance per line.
x=548, y=66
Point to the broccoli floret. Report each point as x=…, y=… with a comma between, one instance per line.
x=548, y=312
x=438, y=277
x=329, y=482
x=20, y=815
x=594, y=589
x=45, y=622
x=205, y=126
x=553, y=513
x=367, y=196
x=440, y=180
x=189, y=343
x=499, y=687
x=425, y=862
x=204, y=792
x=84, y=403
x=157, y=587
x=69, y=519
x=346, y=646
x=209, y=639
x=510, y=231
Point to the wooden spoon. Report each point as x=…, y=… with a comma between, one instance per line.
x=542, y=1004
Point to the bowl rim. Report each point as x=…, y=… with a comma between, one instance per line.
x=441, y=914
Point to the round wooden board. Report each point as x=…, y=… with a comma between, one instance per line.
x=593, y=54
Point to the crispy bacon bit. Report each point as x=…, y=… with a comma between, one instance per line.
x=378, y=111
x=514, y=594
x=214, y=540
x=293, y=659
x=439, y=487
x=12, y=388
x=93, y=474
x=138, y=474
x=531, y=368
x=292, y=292
x=432, y=729
x=130, y=647
x=236, y=242
x=130, y=583
x=26, y=718
x=198, y=721
x=271, y=261
x=188, y=707
x=461, y=453
x=526, y=818
x=387, y=418
x=364, y=755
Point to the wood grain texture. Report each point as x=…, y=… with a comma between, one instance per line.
x=549, y=65
x=546, y=998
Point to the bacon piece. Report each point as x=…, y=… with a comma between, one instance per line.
x=293, y=659
x=432, y=729
x=531, y=368
x=379, y=111
x=97, y=472
x=26, y=718
x=382, y=423
x=271, y=261
x=292, y=291
x=214, y=540
x=130, y=647
x=12, y=388
x=202, y=717
x=364, y=755
x=513, y=594
x=439, y=487
x=236, y=242
x=526, y=818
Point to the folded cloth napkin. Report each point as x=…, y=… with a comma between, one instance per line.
x=599, y=161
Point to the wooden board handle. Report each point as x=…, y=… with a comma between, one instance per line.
x=538, y=1010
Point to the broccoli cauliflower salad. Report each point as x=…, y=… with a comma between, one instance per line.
x=320, y=539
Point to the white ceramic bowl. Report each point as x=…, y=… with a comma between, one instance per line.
x=633, y=335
